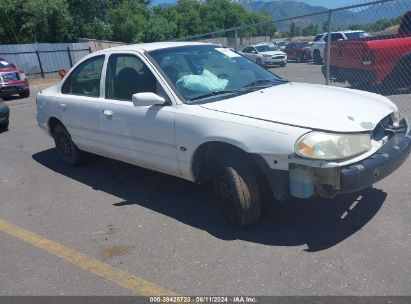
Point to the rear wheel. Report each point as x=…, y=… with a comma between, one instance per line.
x=237, y=190
x=317, y=57
x=300, y=58
x=66, y=148
x=400, y=78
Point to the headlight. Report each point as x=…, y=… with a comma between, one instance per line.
x=267, y=56
x=318, y=145
x=395, y=116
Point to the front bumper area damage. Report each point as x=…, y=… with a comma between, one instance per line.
x=328, y=182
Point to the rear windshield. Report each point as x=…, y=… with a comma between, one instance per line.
x=356, y=35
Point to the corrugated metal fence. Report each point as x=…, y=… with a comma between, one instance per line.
x=44, y=59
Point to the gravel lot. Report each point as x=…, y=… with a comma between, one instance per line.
x=169, y=231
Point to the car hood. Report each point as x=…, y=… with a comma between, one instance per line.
x=310, y=106
x=272, y=53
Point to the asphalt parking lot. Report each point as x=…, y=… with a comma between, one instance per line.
x=109, y=228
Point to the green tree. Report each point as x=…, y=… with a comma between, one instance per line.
x=294, y=30
x=35, y=21
x=310, y=30
x=128, y=21
x=159, y=28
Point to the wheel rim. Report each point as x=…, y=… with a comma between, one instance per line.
x=65, y=144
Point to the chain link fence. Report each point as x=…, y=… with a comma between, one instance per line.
x=364, y=46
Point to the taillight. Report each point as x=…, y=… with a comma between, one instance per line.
x=367, y=57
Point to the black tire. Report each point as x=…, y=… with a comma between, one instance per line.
x=283, y=64
x=67, y=150
x=300, y=58
x=237, y=190
x=317, y=57
x=25, y=93
x=259, y=61
x=399, y=80
x=4, y=126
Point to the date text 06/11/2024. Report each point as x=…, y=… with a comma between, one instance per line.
x=203, y=299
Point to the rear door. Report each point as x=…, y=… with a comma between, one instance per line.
x=78, y=104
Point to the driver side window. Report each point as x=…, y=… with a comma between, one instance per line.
x=128, y=75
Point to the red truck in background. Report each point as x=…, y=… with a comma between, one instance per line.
x=375, y=60
x=12, y=81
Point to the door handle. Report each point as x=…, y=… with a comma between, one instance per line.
x=108, y=113
x=63, y=106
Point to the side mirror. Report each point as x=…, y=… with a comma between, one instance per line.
x=147, y=99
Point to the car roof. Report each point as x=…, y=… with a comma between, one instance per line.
x=141, y=47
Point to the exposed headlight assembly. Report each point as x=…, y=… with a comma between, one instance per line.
x=329, y=146
x=395, y=116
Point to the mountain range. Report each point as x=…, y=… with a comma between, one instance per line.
x=282, y=9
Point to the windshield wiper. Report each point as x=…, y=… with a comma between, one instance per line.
x=215, y=93
x=262, y=82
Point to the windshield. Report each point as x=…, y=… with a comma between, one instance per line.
x=266, y=48
x=204, y=71
x=318, y=37
x=356, y=35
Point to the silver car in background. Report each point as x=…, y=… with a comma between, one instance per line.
x=265, y=54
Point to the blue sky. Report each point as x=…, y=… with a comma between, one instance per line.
x=325, y=3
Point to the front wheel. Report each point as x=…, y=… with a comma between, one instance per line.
x=237, y=190
x=25, y=93
x=66, y=148
x=317, y=57
x=259, y=62
x=4, y=126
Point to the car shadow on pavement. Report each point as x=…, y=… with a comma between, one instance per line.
x=318, y=223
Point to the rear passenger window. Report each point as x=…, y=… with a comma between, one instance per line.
x=85, y=79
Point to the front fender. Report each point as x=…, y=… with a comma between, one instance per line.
x=273, y=141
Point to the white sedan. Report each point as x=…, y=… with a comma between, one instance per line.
x=204, y=113
x=265, y=54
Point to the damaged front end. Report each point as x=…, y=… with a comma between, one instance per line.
x=329, y=178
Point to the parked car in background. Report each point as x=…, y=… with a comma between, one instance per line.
x=204, y=113
x=319, y=42
x=298, y=51
x=4, y=115
x=375, y=60
x=12, y=81
x=265, y=54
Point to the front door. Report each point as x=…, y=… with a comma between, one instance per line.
x=143, y=135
